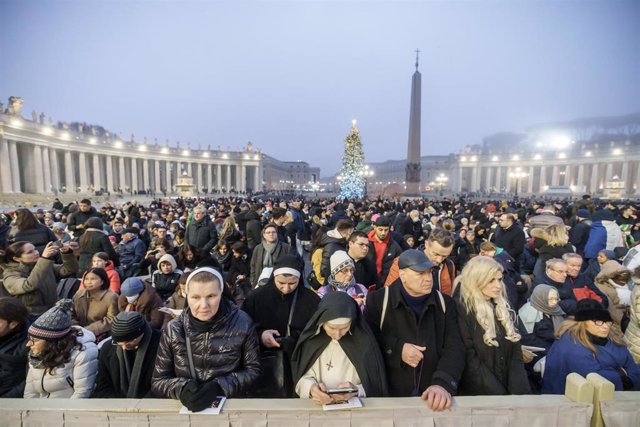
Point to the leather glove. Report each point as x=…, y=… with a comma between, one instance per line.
x=202, y=397
x=188, y=392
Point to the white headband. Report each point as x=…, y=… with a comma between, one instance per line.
x=286, y=270
x=208, y=270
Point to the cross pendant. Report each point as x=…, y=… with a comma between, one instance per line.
x=329, y=365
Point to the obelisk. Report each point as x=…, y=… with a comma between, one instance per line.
x=413, y=168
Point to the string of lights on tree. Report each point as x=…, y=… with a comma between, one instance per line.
x=351, y=180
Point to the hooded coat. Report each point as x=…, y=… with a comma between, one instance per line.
x=632, y=334
x=359, y=344
x=604, y=234
x=166, y=284
x=95, y=312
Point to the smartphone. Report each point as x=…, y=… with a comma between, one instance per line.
x=279, y=339
x=343, y=390
x=57, y=243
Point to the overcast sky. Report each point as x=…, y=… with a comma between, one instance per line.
x=290, y=76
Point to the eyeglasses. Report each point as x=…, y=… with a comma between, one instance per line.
x=560, y=271
x=363, y=245
x=603, y=322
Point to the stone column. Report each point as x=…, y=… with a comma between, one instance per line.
x=134, y=174
x=82, y=169
x=55, y=169
x=167, y=176
x=637, y=181
x=555, y=175
x=624, y=176
x=156, y=177
x=109, y=173
x=510, y=181
x=5, y=171
x=580, y=177
x=595, y=185
x=189, y=169
x=122, y=174
x=258, y=179
x=219, y=177
x=543, y=178
x=489, y=176
x=209, y=177
x=37, y=173
x=200, y=180
x=228, y=185
x=530, y=180
x=499, y=179
x=474, y=179
x=568, y=176
x=46, y=168
x=243, y=178
x=15, y=167
x=145, y=174
x=70, y=181
x=97, y=173
x=608, y=175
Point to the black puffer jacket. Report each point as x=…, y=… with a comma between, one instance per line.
x=13, y=363
x=229, y=353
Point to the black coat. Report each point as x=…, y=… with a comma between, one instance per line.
x=79, y=218
x=201, y=234
x=365, y=273
x=579, y=235
x=38, y=236
x=511, y=239
x=254, y=229
x=393, y=250
x=435, y=329
x=13, y=363
x=490, y=370
x=228, y=353
x=270, y=309
x=99, y=242
x=330, y=246
x=108, y=382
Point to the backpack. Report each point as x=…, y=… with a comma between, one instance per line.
x=68, y=287
x=315, y=278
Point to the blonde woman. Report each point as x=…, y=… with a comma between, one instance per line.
x=493, y=353
x=551, y=242
x=229, y=231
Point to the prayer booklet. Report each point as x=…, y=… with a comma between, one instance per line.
x=533, y=349
x=354, y=402
x=216, y=407
x=172, y=311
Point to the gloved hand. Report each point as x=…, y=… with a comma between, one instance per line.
x=198, y=397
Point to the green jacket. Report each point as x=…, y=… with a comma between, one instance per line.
x=35, y=285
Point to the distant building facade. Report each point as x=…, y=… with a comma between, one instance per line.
x=40, y=157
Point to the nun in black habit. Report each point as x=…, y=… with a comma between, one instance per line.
x=337, y=349
x=280, y=309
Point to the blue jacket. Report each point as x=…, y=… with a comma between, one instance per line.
x=566, y=356
x=132, y=252
x=597, y=240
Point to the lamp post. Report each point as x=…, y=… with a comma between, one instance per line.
x=442, y=181
x=518, y=174
x=365, y=173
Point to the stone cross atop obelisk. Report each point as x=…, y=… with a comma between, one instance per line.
x=413, y=168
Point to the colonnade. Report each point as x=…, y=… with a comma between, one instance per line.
x=40, y=159
x=590, y=175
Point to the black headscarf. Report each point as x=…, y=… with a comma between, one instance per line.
x=359, y=344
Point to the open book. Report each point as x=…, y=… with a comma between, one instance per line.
x=354, y=402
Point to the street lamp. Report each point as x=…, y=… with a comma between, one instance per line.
x=518, y=174
x=365, y=173
x=442, y=181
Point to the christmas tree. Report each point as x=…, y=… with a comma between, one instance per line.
x=352, y=183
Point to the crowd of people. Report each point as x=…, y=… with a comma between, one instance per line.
x=191, y=299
